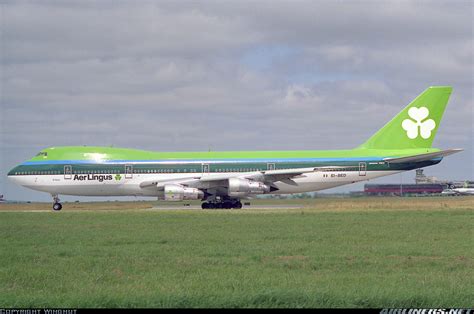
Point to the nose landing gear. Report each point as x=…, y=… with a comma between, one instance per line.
x=56, y=205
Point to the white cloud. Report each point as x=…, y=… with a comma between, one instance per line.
x=233, y=76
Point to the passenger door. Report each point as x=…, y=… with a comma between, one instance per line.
x=128, y=171
x=67, y=172
x=362, y=169
x=270, y=166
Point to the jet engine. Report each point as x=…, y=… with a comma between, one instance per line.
x=175, y=192
x=242, y=187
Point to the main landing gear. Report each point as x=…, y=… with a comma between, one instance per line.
x=56, y=205
x=227, y=204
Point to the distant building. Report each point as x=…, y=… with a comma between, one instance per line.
x=424, y=186
x=420, y=178
x=403, y=189
x=357, y=193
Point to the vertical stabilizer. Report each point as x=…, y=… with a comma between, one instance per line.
x=416, y=125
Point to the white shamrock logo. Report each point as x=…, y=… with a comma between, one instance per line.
x=418, y=114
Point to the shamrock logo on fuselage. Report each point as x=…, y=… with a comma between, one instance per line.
x=424, y=126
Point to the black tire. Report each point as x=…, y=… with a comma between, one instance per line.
x=227, y=205
x=205, y=205
x=57, y=206
x=237, y=205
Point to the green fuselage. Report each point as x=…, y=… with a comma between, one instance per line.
x=107, y=160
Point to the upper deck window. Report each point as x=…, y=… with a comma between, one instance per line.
x=44, y=154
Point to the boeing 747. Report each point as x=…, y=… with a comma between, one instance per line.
x=222, y=179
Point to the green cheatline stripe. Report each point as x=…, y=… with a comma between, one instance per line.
x=197, y=168
x=112, y=153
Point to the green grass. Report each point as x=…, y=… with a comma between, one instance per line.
x=405, y=258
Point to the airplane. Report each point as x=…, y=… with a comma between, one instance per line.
x=223, y=179
x=463, y=191
x=458, y=191
x=453, y=190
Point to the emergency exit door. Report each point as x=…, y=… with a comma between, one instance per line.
x=362, y=169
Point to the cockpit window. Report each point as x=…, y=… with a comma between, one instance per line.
x=45, y=154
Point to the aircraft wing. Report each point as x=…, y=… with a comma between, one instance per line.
x=423, y=157
x=283, y=175
x=161, y=182
x=207, y=181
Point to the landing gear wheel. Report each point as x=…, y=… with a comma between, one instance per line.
x=56, y=202
x=227, y=205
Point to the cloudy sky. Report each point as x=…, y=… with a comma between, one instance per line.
x=228, y=75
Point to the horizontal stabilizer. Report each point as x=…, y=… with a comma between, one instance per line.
x=423, y=157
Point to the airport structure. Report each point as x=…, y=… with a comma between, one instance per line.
x=424, y=186
x=403, y=189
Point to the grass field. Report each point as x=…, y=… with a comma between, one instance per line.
x=367, y=252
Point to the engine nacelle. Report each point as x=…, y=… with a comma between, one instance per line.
x=243, y=187
x=175, y=193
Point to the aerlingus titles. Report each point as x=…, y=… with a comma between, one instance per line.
x=96, y=177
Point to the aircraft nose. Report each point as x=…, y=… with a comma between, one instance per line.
x=12, y=172
x=15, y=176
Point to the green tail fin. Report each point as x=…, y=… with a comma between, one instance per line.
x=416, y=125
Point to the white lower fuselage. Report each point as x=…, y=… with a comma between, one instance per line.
x=112, y=185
